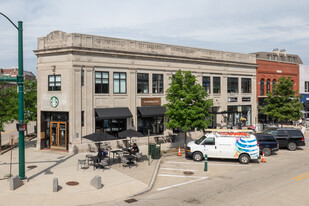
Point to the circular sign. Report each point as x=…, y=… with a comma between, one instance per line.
x=54, y=101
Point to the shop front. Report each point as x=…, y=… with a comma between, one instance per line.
x=150, y=118
x=54, y=130
x=239, y=115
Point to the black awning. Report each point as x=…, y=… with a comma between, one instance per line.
x=113, y=113
x=152, y=111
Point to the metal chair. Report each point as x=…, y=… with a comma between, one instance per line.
x=139, y=157
x=124, y=161
x=82, y=163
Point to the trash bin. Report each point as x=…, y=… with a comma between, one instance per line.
x=156, y=152
x=151, y=147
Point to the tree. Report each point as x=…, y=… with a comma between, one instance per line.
x=188, y=106
x=30, y=101
x=283, y=104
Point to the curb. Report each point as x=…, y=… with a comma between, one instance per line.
x=154, y=176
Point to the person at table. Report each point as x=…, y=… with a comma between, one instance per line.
x=102, y=154
x=134, y=149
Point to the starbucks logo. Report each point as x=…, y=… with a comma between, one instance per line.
x=54, y=101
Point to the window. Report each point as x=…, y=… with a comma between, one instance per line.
x=209, y=141
x=274, y=84
x=245, y=85
x=290, y=59
x=82, y=119
x=283, y=58
x=82, y=77
x=269, y=57
x=157, y=83
x=232, y=85
x=262, y=87
x=120, y=83
x=276, y=58
x=54, y=82
x=143, y=83
x=206, y=84
x=102, y=82
x=268, y=86
x=216, y=84
x=306, y=86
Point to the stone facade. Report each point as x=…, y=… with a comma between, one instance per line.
x=76, y=57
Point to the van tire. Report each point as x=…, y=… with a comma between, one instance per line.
x=197, y=156
x=244, y=159
x=292, y=146
x=266, y=151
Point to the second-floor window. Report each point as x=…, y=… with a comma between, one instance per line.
x=232, y=85
x=268, y=86
x=306, y=86
x=101, y=83
x=274, y=84
x=120, y=83
x=262, y=87
x=245, y=85
x=143, y=83
x=216, y=85
x=206, y=84
x=157, y=83
x=54, y=82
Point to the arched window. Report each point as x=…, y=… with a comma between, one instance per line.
x=274, y=82
x=262, y=87
x=292, y=85
x=268, y=86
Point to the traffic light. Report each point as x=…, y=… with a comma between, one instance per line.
x=21, y=127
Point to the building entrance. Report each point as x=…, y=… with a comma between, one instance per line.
x=58, y=137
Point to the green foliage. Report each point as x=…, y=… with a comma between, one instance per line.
x=30, y=101
x=283, y=104
x=188, y=106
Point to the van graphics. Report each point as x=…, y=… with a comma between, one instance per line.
x=246, y=145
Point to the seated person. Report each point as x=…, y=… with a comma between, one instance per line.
x=134, y=149
x=102, y=154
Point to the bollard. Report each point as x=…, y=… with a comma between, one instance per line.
x=205, y=166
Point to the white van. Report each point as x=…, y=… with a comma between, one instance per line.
x=229, y=145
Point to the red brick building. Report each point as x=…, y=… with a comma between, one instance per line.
x=13, y=72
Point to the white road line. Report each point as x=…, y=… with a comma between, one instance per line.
x=184, y=183
x=199, y=163
x=177, y=169
x=167, y=175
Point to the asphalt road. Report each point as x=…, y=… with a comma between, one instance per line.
x=282, y=180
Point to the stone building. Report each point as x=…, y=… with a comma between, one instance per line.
x=89, y=83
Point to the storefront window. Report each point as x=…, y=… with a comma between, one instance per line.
x=153, y=124
x=111, y=126
x=157, y=83
x=143, y=83
x=232, y=85
x=246, y=114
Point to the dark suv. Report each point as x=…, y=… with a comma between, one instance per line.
x=267, y=143
x=287, y=137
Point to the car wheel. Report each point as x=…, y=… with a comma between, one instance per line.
x=197, y=156
x=244, y=159
x=292, y=146
x=266, y=151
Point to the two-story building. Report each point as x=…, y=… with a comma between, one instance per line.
x=89, y=83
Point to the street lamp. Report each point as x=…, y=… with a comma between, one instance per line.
x=20, y=82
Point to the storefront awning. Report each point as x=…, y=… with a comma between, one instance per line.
x=113, y=113
x=152, y=111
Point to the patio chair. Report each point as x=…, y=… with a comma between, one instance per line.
x=90, y=148
x=139, y=157
x=103, y=164
x=82, y=163
x=124, y=161
x=119, y=144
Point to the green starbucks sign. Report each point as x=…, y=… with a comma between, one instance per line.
x=54, y=101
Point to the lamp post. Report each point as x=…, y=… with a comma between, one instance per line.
x=20, y=82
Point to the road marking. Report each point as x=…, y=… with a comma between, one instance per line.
x=9, y=131
x=177, y=169
x=184, y=183
x=167, y=175
x=198, y=163
x=300, y=177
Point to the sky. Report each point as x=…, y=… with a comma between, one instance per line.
x=242, y=26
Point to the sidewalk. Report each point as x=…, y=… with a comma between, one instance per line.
x=119, y=182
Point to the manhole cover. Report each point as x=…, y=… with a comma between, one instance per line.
x=32, y=167
x=72, y=183
x=131, y=200
x=188, y=173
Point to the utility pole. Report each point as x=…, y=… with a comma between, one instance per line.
x=20, y=83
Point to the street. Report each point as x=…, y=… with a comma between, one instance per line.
x=282, y=180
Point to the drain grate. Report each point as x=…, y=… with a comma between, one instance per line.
x=72, y=183
x=131, y=200
x=32, y=167
x=188, y=173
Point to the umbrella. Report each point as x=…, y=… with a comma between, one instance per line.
x=130, y=133
x=99, y=136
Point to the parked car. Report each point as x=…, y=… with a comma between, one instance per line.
x=227, y=145
x=267, y=143
x=289, y=138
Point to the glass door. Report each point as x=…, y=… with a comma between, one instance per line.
x=58, y=137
